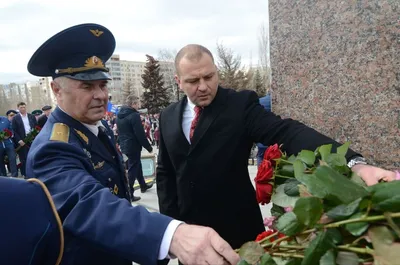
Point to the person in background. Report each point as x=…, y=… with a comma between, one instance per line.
x=7, y=148
x=266, y=103
x=37, y=113
x=22, y=124
x=132, y=139
x=43, y=118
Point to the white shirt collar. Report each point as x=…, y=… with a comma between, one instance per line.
x=94, y=128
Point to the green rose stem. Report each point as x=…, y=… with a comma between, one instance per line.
x=287, y=255
x=280, y=176
x=357, y=250
x=362, y=219
x=392, y=224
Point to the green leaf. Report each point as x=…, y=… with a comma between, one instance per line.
x=289, y=225
x=357, y=229
x=324, y=151
x=251, y=252
x=281, y=199
x=343, y=211
x=298, y=168
x=336, y=160
x=308, y=157
x=347, y=258
x=386, y=251
x=291, y=187
x=292, y=158
x=357, y=179
x=277, y=211
x=294, y=262
x=287, y=170
x=243, y=262
x=328, y=259
x=328, y=184
x=266, y=259
x=317, y=248
x=308, y=210
x=342, y=150
x=386, y=196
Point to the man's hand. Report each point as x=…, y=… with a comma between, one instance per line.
x=21, y=143
x=372, y=175
x=196, y=245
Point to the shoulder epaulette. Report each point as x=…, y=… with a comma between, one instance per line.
x=60, y=132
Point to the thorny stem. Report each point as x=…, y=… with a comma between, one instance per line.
x=286, y=238
x=268, y=237
x=361, y=219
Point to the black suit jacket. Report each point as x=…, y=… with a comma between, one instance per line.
x=18, y=126
x=207, y=182
x=42, y=120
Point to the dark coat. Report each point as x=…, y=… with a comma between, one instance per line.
x=89, y=189
x=207, y=182
x=42, y=120
x=131, y=135
x=18, y=126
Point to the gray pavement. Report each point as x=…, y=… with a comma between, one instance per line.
x=150, y=201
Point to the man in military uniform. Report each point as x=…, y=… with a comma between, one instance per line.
x=75, y=156
x=37, y=113
x=46, y=113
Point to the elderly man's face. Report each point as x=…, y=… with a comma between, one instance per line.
x=10, y=116
x=198, y=79
x=85, y=101
x=47, y=112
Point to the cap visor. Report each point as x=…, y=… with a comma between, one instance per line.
x=90, y=76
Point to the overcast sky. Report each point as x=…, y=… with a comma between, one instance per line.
x=139, y=26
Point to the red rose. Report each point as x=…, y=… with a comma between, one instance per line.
x=7, y=132
x=265, y=172
x=264, y=235
x=272, y=152
x=38, y=128
x=264, y=192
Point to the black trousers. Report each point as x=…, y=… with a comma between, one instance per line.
x=135, y=171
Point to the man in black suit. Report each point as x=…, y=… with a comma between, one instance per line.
x=205, y=142
x=22, y=124
x=131, y=138
x=43, y=118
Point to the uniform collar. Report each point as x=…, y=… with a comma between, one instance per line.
x=93, y=128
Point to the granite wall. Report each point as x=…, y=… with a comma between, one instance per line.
x=336, y=67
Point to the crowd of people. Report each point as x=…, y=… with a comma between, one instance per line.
x=207, y=202
x=18, y=129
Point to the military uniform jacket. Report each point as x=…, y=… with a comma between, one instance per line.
x=207, y=182
x=88, y=187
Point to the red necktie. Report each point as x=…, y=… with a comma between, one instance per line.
x=198, y=111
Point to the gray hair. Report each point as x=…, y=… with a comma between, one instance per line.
x=61, y=81
x=192, y=52
x=131, y=100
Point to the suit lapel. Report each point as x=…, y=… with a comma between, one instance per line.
x=177, y=124
x=207, y=117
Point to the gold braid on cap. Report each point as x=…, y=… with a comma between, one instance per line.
x=90, y=64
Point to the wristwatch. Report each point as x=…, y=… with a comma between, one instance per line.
x=357, y=160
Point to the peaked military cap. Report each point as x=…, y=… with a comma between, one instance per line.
x=11, y=111
x=47, y=107
x=79, y=52
x=37, y=112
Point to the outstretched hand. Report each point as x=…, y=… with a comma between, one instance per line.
x=372, y=175
x=195, y=245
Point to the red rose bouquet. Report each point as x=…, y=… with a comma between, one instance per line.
x=5, y=134
x=28, y=140
x=323, y=213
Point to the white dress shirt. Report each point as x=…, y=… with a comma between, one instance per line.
x=25, y=120
x=172, y=226
x=187, y=118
